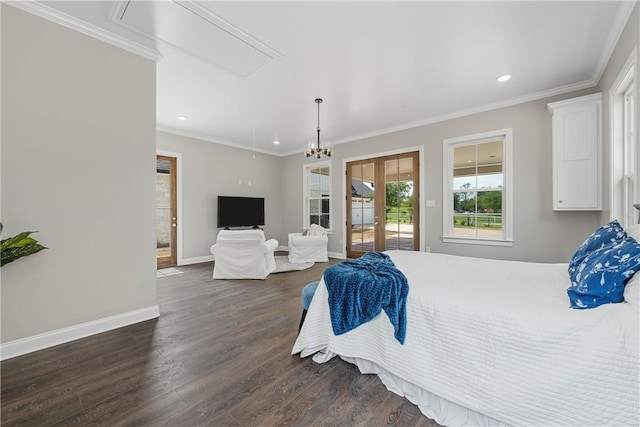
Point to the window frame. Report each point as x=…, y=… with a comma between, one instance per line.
x=306, y=199
x=448, y=146
x=624, y=162
x=630, y=192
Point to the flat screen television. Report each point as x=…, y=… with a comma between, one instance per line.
x=240, y=211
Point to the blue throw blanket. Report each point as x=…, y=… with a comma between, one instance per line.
x=359, y=289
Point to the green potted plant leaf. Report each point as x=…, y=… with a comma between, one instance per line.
x=18, y=246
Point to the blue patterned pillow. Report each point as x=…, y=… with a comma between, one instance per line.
x=605, y=235
x=602, y=275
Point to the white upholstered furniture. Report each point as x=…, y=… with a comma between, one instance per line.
x=243, y=254
x=311, y=247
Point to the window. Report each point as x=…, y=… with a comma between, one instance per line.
x=630, y=158
x=317, y=197
x=477, y=189
x=625, y=189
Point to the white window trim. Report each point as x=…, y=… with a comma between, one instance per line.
x=624, y=80
x=507, y=191
x=305, y=199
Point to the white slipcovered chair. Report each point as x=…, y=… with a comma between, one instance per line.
x=243, y=254
x=309, y=247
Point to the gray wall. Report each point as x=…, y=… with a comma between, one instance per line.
x=629, y=40
x=78, y=151
x=209, y=170
x=540, y=234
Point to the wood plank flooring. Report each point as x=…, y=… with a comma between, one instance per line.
x=219, y=355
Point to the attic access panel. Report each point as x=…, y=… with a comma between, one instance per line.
x=196, y=30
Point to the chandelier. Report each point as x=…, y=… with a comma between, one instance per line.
x=317, y=150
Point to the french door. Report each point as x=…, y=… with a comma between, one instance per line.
x=383, y=204
x=166, y=212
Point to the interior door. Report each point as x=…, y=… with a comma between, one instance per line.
x=166, y=212
x=383, y=204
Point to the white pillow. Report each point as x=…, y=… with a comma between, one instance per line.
x=633, y=231
x=316, y=230
x=632, y=290
x=241, y=235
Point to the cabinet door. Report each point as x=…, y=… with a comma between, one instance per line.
x=576, y=154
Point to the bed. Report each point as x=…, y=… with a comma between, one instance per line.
x=491, y=342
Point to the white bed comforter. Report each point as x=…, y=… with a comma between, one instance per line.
x=499, y=338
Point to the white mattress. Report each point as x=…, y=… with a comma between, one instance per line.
x=498, y=338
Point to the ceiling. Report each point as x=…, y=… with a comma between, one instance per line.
x=246, y=73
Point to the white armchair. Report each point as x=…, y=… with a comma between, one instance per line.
x=243, y=254
x=311, y=247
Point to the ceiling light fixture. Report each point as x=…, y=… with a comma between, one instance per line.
x=317, y=150
x=276, y=141
x=504, y=78
x=183, y=118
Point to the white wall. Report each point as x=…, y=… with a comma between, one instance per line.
x=209, y=170
x=78, y=165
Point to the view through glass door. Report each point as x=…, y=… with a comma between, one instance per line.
x=383, y=200
x=166, y=212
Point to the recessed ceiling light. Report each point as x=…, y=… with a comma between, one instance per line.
x=504, y=78
x=183, y=118
x=276, y=141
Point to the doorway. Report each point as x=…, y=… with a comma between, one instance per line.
x=166, y=212
x=383, y=204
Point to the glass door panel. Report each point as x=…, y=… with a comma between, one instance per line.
x=361, y=200
x=166, y=221
x=399, y=204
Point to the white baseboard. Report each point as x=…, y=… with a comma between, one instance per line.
x=71, y=333
x=196, y=260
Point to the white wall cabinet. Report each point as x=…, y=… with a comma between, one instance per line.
x=577, y=146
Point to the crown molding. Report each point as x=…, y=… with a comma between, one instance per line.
x=460, y=113
x=406, y=126
x=470, y=111
x=39, y=9
x=623, y=15
x=214, y=140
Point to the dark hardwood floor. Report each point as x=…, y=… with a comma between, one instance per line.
x=218, y=355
